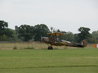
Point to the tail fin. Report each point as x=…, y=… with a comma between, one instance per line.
x=84, y=43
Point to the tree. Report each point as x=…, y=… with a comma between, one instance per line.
x=6, y=34
x=3, y=26
x=25, y=32
x=84, y=34
x=95, y=34
x=40, y=30
x=94, y=38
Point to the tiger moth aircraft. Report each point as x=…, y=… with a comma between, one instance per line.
x=54, y=40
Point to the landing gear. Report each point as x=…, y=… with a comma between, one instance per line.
x=50, y=48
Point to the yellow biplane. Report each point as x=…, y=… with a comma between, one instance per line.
x=54, y=39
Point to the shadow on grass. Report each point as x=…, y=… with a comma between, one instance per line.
x=53, y=66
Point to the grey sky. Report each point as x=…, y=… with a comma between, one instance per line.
x=67, y=15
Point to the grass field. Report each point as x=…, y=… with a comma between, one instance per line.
x=82, y=60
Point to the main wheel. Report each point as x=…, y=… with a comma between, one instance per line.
x=50, y=48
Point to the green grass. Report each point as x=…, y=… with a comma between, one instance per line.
x=82, y=60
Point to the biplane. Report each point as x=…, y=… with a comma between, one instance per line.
x=54, y=40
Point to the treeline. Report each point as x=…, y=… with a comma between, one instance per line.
x=34, y=33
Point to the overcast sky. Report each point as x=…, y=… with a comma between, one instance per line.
x=67, y=15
